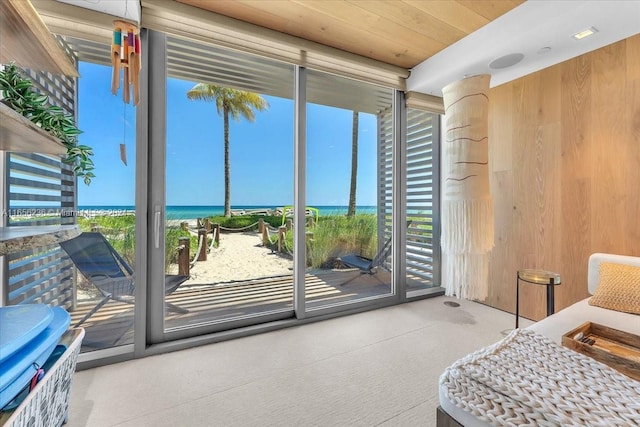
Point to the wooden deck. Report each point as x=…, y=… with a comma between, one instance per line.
x=112, y=325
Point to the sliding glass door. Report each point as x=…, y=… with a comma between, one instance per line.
x=106, y=210
x=228, y=189
x=104, y=302
x=349, y=180
x=271, y=192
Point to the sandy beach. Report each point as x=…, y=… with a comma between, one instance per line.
x=240, y=256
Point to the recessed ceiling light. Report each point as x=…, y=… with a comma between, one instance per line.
x=585, y=33
x=506, y=61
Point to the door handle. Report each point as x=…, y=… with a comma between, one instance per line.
x=156, y=227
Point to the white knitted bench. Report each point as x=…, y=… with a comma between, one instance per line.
x=528, y=379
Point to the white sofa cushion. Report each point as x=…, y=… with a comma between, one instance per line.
x=556, y=325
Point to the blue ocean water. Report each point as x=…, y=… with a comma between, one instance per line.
x=191, y=212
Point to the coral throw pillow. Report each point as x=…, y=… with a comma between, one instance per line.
x=619, y=288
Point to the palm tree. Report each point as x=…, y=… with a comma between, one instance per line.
x=238, y=104
x=354, y=165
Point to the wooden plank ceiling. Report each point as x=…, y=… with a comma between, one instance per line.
x=398, y=32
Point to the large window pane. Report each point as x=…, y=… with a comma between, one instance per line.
x=106, y=213
x=349, y=163
x=229, y=183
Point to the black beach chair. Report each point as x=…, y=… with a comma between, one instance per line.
x=99, y=262
x=368, y=265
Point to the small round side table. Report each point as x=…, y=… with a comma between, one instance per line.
x=537, y=277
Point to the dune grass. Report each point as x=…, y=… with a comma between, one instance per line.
x=338, y=235
x=329, y=238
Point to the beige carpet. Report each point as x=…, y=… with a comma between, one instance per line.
x=378, y=368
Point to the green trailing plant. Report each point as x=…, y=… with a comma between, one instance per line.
x=19, y=94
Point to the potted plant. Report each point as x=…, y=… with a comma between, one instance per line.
x=20, y=95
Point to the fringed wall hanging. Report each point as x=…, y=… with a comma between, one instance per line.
x=467, y=207
x=126, y=55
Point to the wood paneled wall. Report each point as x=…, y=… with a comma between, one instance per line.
x=565, y=162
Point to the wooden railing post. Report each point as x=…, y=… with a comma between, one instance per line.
x=282, y=231
x=184, y=255
x=216, y=233
x=207, y=224
x=265, y=235
x=184, y=225
x=289, y=224
x=95, y=227
x=202, y=234
x=260, y=225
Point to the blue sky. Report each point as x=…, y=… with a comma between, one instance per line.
x=261, y=152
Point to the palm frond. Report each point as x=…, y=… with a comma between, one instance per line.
x=239, y=103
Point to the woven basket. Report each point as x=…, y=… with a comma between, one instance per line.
x=47, y=404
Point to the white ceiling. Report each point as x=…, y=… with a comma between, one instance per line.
x=526, y=29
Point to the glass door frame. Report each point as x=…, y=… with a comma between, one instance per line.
x=154, y=205
x=398, y=288
x=299, y=192
x=151, y=337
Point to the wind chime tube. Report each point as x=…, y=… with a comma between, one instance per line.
x=133, y=68
x=138, y=52
x=125, y=82
x=115, y=60
x=137, y=68
x=123, y=44
x=467, y=207
x=131, y=65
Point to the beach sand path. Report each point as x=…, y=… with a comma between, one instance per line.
x=240, y=256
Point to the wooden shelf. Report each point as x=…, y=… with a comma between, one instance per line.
x=17, y=133
x=19, y=238
x=27, y=41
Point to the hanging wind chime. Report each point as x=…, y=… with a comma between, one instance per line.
x=126, y=51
